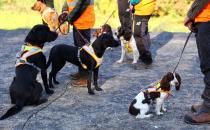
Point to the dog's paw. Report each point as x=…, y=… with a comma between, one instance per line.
x=119, y=61
x=51, y=86
x=56, y=82
x=144, y=116
x=134, y=62
x=41, y=101
x=159, y=113
x=98, y=89
x=91, y=92
x=163, y=109
x=48, y=91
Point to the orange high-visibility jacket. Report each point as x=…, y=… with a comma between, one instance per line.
x=204, y=15
x=87, y=19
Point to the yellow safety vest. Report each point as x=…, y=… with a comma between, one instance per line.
x=145, y=7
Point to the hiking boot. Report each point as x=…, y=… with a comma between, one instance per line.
x=195, y=108
x=201, y=117
x=75, y=76
x=198, y=118
x=146, y=58
x=82, y=82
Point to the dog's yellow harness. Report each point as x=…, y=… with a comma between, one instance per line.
x=127, y=45
x=27, y=50
x=156, y=88
x=91, y=52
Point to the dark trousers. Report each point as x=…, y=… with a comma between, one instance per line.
x=203, y=45
x=79, y=42
x=125, y=18
x=141, y=33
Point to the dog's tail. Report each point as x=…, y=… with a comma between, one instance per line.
x=132, y=109
x=12, y=111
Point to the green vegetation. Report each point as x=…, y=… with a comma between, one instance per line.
x=169, y=14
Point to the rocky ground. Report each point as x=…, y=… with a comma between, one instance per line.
x=77, y=110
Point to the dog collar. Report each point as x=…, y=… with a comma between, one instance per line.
x=127, y=46
x=89, y=49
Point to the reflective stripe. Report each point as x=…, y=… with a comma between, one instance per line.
x=72, y=3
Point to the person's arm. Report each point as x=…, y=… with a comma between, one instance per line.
x=78, y=10
x=196, y=7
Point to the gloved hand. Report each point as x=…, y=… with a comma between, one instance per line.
x=132, y=9
x=62, y=17
x=190, y=24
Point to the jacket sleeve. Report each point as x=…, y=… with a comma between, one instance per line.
x=78, y=10
x=134, y=2
x=197, y=7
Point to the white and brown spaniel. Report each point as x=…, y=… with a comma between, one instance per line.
x=128, y=48
x=156, y=93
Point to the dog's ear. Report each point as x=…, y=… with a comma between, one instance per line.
x=40, y=34
x=178, y=77
x=165, y=81
x=107, y=28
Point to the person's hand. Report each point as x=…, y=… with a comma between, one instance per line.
x=132, y=9
x=62, y=17
x=190, y=24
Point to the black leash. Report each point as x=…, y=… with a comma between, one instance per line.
x=182, y=51
x=44, y=107
x=109, y=17
x=85, y=40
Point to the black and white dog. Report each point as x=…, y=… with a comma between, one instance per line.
x=128, y=48
x=88, y=57
x=157, y=94
x=25, y=89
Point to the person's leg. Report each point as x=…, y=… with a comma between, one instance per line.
x=125, y=18
x=203, y=44
x=80, y=78
x=142, y=38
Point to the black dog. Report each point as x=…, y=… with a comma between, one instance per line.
x=59, y=54
x=25, y=89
